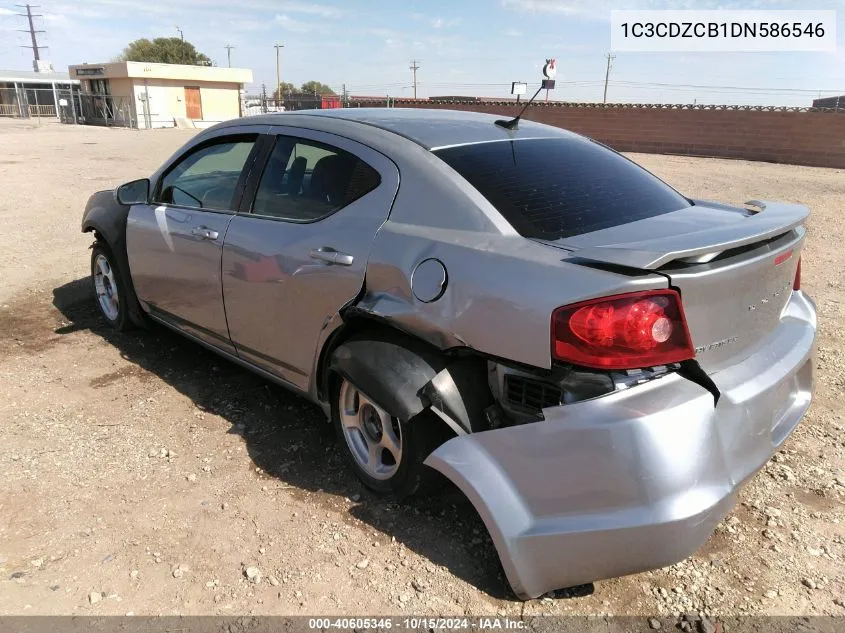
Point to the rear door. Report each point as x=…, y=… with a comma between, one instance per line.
x=175, y=243
x=298, y=252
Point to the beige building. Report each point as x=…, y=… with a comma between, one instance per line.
x=143, y=95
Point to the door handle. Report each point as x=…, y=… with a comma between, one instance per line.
x=205, y=233
x=331, y=256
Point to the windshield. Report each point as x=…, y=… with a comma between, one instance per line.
x=556, y=188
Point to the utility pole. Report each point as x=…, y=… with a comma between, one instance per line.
x=345, y=97
x=610, y=59
x=32, y=32
x=181, y=34
x=415, y=66
x=229, y=48
x=277, y=46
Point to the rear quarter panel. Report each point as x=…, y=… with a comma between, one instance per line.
x=500, y=292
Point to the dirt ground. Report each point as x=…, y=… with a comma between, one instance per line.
x=142, y=474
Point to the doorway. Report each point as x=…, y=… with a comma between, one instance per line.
x=193, y=103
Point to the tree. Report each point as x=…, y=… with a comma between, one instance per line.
x=287, y=88
x=164, y=50
x=315, y=87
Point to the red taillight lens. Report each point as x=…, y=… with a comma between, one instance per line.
x=796, y=285
x=640, y=329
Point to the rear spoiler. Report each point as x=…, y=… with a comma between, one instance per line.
x=688, y=235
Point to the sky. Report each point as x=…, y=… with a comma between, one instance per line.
x=464, y=47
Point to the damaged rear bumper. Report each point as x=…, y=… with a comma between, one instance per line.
x=637, y=479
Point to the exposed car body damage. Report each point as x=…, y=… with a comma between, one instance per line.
x=105, y=216
x=487, y=305
x=459, y=280
x=406, y=377
x=636, y=479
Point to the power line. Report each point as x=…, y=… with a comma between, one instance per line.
x=415, y=65
x=32, y=32
x=710, y=87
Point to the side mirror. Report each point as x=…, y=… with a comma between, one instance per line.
x=135, y=192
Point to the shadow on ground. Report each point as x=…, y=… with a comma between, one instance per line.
x=288, y=438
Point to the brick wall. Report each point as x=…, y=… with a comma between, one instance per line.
x=786, y=135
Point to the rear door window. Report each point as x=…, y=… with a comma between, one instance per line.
x=306, y=180
x=556, y=188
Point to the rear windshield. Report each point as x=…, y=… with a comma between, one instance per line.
x=556, y=188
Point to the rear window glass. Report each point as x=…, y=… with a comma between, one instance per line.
x=556, y=188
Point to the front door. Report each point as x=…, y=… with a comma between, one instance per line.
x=300, y=254
x=175, y=243
x=193, y=103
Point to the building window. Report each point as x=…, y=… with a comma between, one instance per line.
x=100, y=86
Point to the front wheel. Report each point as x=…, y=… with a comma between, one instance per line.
x=108, y=287
x=385, y=453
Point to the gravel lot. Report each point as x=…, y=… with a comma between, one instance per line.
x=142, y=474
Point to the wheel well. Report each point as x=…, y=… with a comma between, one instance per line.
x=118, y=252
x=357, y=327
x=407, y=375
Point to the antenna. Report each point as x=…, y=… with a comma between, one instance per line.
x=31, y=30
x=549, y=72
x=415, y=66
x=514, y=122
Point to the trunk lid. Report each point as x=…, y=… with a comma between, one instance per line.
x=733, y=267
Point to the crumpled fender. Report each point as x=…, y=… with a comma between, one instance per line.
x=105, y=215
x=406, y=377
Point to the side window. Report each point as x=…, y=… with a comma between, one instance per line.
x=206, y=178
x=306, y=180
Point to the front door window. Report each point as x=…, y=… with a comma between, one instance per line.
x=208, y=177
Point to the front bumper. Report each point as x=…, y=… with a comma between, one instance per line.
x=637, y=479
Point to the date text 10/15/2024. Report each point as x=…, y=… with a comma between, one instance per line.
x=416, y=623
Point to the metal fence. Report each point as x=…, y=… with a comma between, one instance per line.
x=28, y=102
x=66, y=105
x=263, y=103
x=101, y=109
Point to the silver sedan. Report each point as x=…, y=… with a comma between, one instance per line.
x=596, y=361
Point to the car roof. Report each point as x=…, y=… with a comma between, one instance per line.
x=431, y=128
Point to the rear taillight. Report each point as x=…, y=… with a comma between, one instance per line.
x=639, y=329
x=796, y=284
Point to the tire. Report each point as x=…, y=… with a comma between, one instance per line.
x=109, y=291
x=399, y=447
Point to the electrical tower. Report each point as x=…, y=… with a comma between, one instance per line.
x=32, y=33
x=415, y=66
x=229, y=48
x=610, y=59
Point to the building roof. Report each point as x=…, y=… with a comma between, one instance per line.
x=31, y=77
x=149, y=70
x=429, y=128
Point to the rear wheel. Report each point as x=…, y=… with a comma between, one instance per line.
x=385, y=453
x=108, y=287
